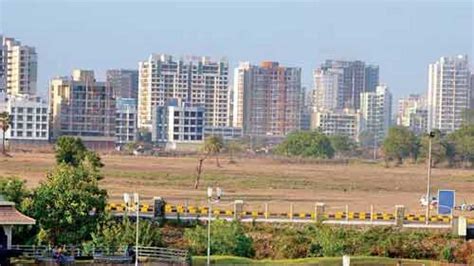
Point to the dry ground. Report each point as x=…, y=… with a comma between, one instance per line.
x=262, y=180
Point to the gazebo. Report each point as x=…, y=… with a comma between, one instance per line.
x=10, y=216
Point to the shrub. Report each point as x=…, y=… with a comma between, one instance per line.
x=227, y=238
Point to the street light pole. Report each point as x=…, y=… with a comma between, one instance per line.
x=137, y=208
x=211, y=200
x=428, y=183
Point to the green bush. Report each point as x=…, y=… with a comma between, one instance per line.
x=112, y=236
x=227, y=238
x=306, y=144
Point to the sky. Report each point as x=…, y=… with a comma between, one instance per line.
x=403, y=37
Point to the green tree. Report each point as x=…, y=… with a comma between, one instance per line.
x=13, y=189
x=72, y=151
x=5, y=121
x=69, y=205
x=112, y=236
x=306, y=144
x=342, y=145
x=399, y=144
x=463, y=142
x=440, y=148
x=213, y=145
x=228, y=238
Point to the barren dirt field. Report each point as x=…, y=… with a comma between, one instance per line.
x=261, y=180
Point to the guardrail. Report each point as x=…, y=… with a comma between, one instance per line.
x=201, y=212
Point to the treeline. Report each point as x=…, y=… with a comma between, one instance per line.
x=454, y=150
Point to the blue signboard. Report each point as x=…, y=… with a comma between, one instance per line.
x=446, y=201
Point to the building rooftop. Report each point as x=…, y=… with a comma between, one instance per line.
x=9, y=215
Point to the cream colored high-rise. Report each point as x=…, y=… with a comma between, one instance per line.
x=376, y=111
x=82, y=107
x=448, y=93
x=18, y=68
x=197, y=81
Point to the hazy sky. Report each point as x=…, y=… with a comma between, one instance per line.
x=403, y=37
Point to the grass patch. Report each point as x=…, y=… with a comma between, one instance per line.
x=324, y=261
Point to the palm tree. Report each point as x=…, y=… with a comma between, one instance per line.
x=5, y=121
x=213, y=145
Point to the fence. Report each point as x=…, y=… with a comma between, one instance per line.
x=152, y=253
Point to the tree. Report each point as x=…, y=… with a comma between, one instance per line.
x=306, y=144
x=69, y=205
x=399, y=144
x=212, y=146
x=342, y=145
x=5, y=121
x=13, y=189
x=112, y=236
x=232, y=147
x=439, y=148
x=228, y=238
x=72, y=151
x=463, y=142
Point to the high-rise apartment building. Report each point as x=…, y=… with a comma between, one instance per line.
x=413, y=113
x=448, y=93
x=82, y=107
x=18, y=67
x=198, y=81
x=472, y=89
x=267, y=99
x=376, y=111
x=371, y=77
x=337, y=122
x=328, y=89
x=124, y=82
x=357, y=77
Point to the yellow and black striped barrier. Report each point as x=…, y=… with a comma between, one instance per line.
x=352, y=216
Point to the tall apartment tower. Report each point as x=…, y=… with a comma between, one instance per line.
x=357, y=77
x=376, y=111
x=413, y=113
x=18, y=67
x=124, y=82
x=198, y=81
x=472, y=89
x=328, y=89
x=448, y=93
x=267, y=99
x=82, y=107
x=371, y=77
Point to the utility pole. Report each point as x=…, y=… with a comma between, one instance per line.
x=137, y=207
x=428, y=183
x=211, y=200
